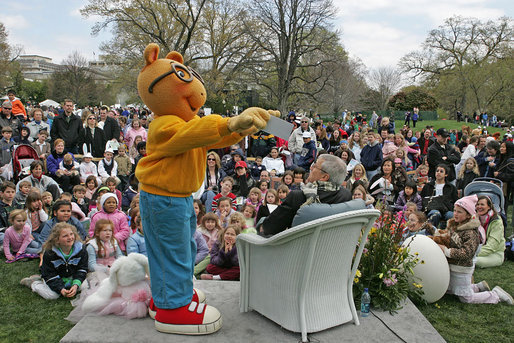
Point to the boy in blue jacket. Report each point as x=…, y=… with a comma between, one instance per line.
x=308, y=153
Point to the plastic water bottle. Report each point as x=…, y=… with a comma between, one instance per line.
x=365, y=300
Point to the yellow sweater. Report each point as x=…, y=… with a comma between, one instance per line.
x=177, y=151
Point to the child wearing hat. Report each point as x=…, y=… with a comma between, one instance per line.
x=309, y=151
x=461, y=252
x=108, y=209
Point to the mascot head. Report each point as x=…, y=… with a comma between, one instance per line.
x=168, y=87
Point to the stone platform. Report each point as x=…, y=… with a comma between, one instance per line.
x=407, y=325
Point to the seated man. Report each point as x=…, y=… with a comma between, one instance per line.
x=324, y=183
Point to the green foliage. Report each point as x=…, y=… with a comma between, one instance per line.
x=386, y=268
x=415, y=97
x=34, y=91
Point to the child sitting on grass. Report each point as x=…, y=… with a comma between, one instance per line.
x=7, y=193
x=209, y=227
x=109, y=210
x=463, y=246
x=136, y=242
x=249, y=214
x=103, y=248
x=64, y=265
x=18, y=238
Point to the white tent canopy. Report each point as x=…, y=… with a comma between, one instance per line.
x=49, y=102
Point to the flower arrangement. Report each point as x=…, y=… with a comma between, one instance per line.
x=386, y=268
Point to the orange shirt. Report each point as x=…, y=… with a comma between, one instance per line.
x=18, y=108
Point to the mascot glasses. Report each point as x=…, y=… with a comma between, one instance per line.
x=185, y=74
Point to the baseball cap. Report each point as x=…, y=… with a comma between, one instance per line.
x=241, y=164
x=442, y=132
x=306, y=134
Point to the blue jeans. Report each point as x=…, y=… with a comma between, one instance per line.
x=207, y=198
x=169, y=225
x=435, y=216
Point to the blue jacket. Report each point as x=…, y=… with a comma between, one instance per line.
x=59, y=272
x=371, y=156
x=42, y=236
x=307, y=155
x=136, y=243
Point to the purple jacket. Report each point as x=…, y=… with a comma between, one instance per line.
x=222, y=259
x=401, y=201
x=121, y=227
x=201, y=247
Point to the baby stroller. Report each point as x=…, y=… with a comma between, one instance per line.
x=23, y=155
x=491, y=187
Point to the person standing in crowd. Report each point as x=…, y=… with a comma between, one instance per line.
x=371, y=155
x=93, y=137
x=425, y=142
x=296, y=139
x=109, y=125
x=18, y=110
x=442, y=153
x=67, y=127
x=37, y=124
x=7, y=119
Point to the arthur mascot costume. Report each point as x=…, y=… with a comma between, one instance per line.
x=174, y=168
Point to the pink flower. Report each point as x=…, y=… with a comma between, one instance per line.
x=390, y=281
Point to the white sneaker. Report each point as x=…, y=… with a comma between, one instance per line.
x=504, y=296
x=483, y=286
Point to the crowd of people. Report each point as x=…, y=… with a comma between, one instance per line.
x=80, y=200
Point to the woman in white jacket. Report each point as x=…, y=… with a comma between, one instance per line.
x=273, y=161
x=470, y=151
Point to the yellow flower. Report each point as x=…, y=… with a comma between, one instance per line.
x=381, y=275
x=416, y=253
x=437, y=305
x=394, y=270
x=417, y=285
x=373, y=230
x=422, y=261
x=358, y=273
x=356, y=280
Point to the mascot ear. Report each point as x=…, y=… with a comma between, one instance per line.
x=151, y=53
x=175, y=56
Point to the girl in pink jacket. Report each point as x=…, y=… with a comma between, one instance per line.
x=135, y=130
x=109, y=210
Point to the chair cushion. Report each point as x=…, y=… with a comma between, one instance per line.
x=316, y=211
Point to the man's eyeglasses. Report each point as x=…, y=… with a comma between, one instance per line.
x=315, y=166
x=7, y=108
x=185, y=74
x=304, y=122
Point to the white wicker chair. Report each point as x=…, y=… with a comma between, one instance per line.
x=302, y=278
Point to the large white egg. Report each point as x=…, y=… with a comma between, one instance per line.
x=434, y=274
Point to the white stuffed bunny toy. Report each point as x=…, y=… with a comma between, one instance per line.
x=126, y=292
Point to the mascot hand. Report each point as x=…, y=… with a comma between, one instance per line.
x=251, y=120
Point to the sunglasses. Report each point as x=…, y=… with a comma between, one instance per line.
x=211, y=159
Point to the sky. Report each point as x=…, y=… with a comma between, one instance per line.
x=378, y=32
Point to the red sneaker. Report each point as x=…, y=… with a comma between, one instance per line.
x=193, y=319
x=198, y=296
